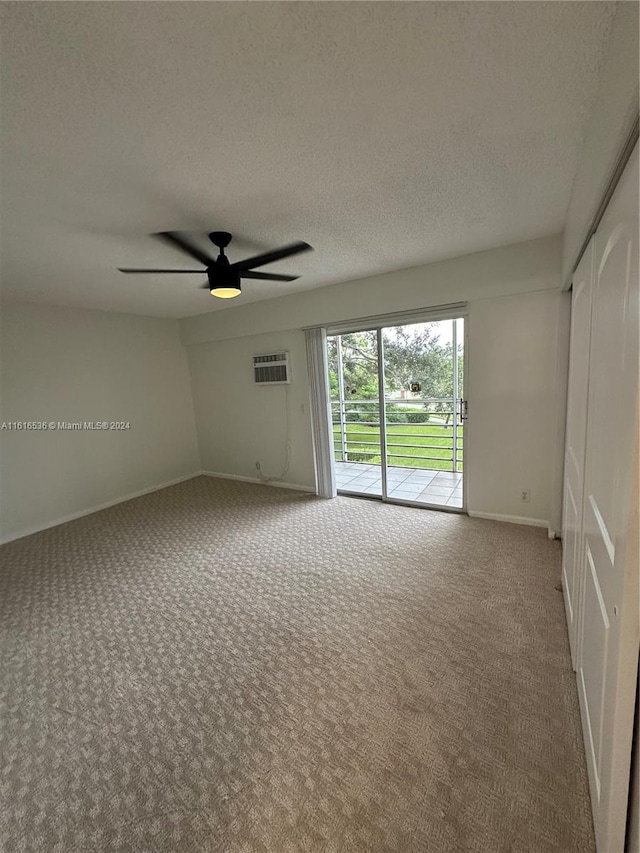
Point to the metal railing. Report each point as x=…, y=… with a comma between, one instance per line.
x=433, y=425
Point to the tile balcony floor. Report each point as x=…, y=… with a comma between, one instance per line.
x=437, y=488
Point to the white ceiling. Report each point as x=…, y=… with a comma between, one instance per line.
x=385, y=134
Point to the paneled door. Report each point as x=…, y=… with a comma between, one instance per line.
x=609, y=630
x=575, y=446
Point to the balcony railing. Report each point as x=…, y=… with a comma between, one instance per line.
x=425, y=433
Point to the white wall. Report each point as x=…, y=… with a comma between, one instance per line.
x=520, y=268
x=71, y=365
x=240, y=423
x=512, y=404
x=514, y=304
x=614, y=111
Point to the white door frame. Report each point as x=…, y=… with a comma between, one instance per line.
x=575, y=449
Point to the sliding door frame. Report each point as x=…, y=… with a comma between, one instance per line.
x=382, y=415
x=452, y=312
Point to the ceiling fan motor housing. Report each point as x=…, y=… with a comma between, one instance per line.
x=223, y=275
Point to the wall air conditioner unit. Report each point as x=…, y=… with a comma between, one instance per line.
x=272, y=369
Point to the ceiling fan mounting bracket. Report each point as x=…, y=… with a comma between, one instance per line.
x=221, y=239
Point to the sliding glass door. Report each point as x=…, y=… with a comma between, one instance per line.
x=398, y=411
x=354, y=380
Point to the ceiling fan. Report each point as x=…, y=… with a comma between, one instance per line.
x=224, y=277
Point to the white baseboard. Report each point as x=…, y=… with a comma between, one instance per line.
x=259, y=482
x=511, y=519
x=37, y=528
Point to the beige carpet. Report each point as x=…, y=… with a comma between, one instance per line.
x=229, y=667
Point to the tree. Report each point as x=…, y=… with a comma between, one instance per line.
x=411, y=354
x=359, y=365
x=415, y=355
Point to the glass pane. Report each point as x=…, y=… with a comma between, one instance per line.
x=355, y=410
x=424, y=434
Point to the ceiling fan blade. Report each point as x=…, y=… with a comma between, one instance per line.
x=176, y=239
x=268, y=276
x=191, y=272
x=269, y=257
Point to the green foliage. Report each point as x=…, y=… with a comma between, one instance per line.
x=362, y=457
x=363, y=413
x=415, y=355
x=417, y=417
x=359, y=366
x=411, y=354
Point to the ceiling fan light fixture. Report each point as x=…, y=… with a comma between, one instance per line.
x=224, y=281
x=224, y=292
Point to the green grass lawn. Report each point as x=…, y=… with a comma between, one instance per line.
x=420, y=440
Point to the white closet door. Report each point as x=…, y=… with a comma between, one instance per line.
x=609, y=630
x=575, y=446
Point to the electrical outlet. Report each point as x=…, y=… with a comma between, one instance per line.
x=525, y=496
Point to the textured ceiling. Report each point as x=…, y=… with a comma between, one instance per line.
x=385, y=134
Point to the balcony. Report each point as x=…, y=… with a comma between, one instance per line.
x=423, y=441
x=436, y=488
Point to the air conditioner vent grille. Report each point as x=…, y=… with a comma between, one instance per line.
x=272, y=369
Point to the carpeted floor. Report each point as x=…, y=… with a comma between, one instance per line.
x=227, y=667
